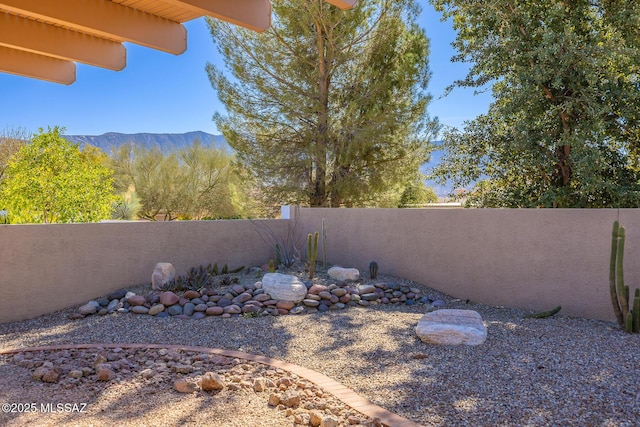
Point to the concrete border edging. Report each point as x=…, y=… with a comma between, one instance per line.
x=342, y=393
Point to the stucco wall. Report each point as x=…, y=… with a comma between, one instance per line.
x=526, y=258
x=533, y=259
x=47, y=267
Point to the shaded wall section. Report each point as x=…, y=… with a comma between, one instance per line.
x=527, y=258
x=47, y=267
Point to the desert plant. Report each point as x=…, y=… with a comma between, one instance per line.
x=227, y=280
x=373, y=270
x=272, y=267
x=627, y=319
x=287, y=252
x=177, y=284
x=127, y=206
x=203, y=277
x=199, y=278
x=312, y=252
x=544, y=314
x=251, y=315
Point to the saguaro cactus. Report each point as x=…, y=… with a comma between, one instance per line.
x=628, y=319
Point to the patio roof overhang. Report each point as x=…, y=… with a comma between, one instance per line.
x=43, y=39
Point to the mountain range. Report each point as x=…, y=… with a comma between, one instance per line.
x=168, y=142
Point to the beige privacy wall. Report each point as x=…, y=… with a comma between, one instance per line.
x=527, y=258
x=47, y=267
x=532, y=259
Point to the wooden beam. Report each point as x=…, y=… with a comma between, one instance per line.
x=38, y=37
x=105, y=18
x=343, y=4
x=37, y=66
x=252, y=14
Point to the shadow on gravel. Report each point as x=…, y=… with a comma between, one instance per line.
x=529, y=372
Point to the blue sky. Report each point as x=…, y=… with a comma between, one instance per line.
x=161, y=93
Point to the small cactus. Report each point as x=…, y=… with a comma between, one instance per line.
x=373, y=270
x=312, y=252
x=272, y=267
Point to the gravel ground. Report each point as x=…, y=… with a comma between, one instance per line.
x=558, y=371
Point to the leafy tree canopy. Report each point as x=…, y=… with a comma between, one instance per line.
x=327, y=107
x=50, y=180
x=196, y=182
x=564, y=128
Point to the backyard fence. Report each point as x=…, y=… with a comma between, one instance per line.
x=526, y=258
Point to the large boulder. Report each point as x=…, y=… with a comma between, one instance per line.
x=452, y=327
x=344, y=274
x=284, y=287
x=163, y=273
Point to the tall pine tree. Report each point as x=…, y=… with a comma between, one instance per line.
x=327, y=107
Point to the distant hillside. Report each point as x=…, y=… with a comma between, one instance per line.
x=168, y=142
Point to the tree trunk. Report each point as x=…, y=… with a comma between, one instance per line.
x=318, y=190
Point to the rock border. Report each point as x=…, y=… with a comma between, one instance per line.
x=251, y=300
x=339, y=391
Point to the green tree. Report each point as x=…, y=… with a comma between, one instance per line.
x=10, y=142
x=417, y=193
x=327, y=107
x=154, y=176
x=209, y=184
x=563, y=130
x=196, y=182
x=50, y=180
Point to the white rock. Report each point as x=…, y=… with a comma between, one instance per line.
x=344, y=274
x=162, y=273
x=452, y=327
x=284, y=287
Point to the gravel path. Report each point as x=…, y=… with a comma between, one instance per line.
x=559, y=371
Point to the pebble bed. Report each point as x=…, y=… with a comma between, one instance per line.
x=81, y=375
x=558, y=371
x=251, y=300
